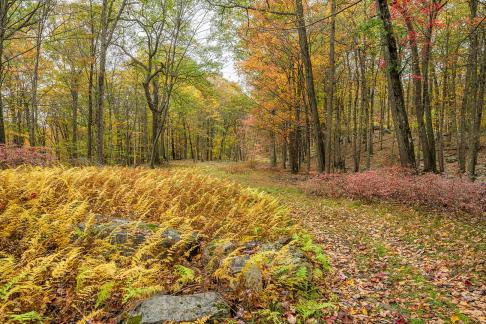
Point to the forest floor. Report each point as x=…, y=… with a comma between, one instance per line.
x=390, y=263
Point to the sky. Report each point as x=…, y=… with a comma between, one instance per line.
x=229, y=71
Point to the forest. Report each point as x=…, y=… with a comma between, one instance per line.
x=242, y=161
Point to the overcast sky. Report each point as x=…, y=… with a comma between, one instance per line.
x=229, y=70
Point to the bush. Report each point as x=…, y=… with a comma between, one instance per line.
x=430, y=191
x=14, y=156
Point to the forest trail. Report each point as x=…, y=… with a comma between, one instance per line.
x=390, y=263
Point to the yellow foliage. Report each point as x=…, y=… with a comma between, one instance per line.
x=53, y=267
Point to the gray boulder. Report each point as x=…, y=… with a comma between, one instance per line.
x=215, y=251
x=253, y=278
x=167, y=308
x=237, y=263
x=128, y=236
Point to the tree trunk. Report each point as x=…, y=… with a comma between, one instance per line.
x=273, y=149
x=330, y=86
x=426, y=101
x=2, y=40
x=155, y=156
x=101, y=81
x=399, y=114
x=474, y=139
x=91, y=79
x=417, y=79
x=74, y=97
x=309, y=78
x=470, y=90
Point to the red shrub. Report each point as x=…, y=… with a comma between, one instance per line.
x=431, y=191
x=13, y=156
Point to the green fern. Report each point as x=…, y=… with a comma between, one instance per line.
x=104, y=293
x=311, y=308
x=32, y=316
x=136, y=293
x=186, y=275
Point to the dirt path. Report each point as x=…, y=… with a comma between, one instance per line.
x=390, y=264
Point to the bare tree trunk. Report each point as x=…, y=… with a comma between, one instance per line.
x=364, y=115
x=273, y=149
x=330, y=86
x=101, y=81
x=106, y=35
x=399, y=114
x=474, y=140
x=74, y=97
x=91, y=78
x=2, y=123
x=35, y=79
x=309, y=78
x=426, y=101
x=355, y=124
x=470, y=90
x=155, y=156
x=440, y=129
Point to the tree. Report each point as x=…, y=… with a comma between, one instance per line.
x=309, y=78
x=396, y=98
x=15, y=16
x=109, y=20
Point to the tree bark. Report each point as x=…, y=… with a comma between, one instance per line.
x=474, y=140
x=330, y=86
x=309, y=78
x=399, y=114
x=74, y=97
x=106, y=35
x=470, y=89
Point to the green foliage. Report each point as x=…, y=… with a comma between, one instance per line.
x=270, y=316
x=186, y=275
x=381, y=250
x=307, y=245
x=312, y=308
x=139, y=293
x=30, y=317
x=104, y=293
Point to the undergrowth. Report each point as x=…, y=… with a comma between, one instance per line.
x=52, y=267
x=430, y=191
x=13, y=156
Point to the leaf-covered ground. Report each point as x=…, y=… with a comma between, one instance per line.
x=392, y=263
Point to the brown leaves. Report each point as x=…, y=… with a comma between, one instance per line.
x=393, y=261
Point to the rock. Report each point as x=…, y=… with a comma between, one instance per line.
x=251, y=245
x=170, y=237
x=289, y=263
x=122, y=233
x=270, y=247
x=253, y=278
x=167, y=308
x=218, y=249
x=226, y=248
x=128, y=236
x=237, y=263
x=284, y=240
